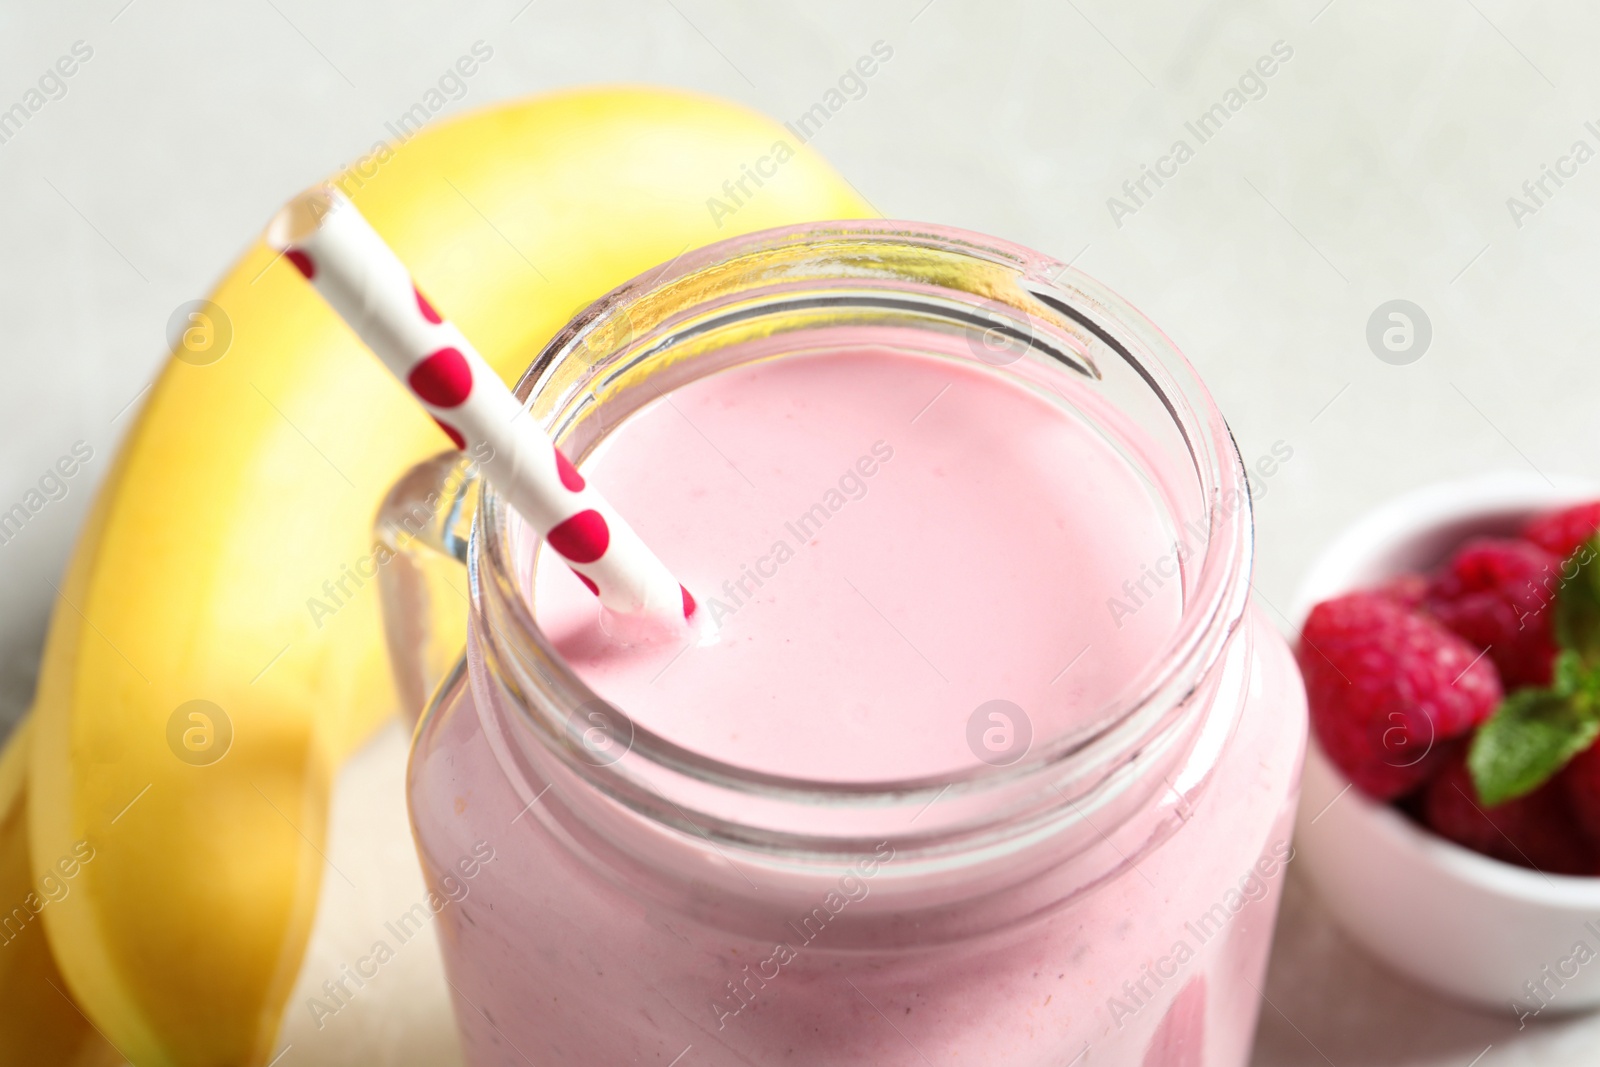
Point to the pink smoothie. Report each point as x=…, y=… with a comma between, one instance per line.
x=881, y=544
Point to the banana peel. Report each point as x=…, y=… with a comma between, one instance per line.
x=228, y=557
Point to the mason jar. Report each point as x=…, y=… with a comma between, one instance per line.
x=608, y=896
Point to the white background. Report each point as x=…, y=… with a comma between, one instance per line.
x=1377, y=166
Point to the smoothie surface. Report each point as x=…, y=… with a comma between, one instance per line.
x=884, y=541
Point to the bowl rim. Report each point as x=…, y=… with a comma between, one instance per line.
x=1410, y=515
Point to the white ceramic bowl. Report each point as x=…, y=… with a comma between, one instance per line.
x=1466, y=925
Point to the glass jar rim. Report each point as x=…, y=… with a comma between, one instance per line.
x=1055, y=305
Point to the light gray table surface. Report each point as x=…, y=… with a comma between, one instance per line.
x=1375, y=164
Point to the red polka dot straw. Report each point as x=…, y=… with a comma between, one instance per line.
x=323, y=235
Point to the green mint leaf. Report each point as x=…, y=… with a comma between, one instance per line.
x=1532, y=735
x=1577, y=606
x=1571, y=677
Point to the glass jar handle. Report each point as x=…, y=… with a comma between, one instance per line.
x=424, y=523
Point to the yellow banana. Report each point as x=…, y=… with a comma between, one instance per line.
x=39, y=1024
x=228, y=558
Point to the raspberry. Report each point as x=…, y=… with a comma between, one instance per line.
x=1535, y=830
x=1386, y=686
x=1496, y=593
x=1562, y=532
x=1580, y=780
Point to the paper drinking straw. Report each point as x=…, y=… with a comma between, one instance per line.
x=361, y=278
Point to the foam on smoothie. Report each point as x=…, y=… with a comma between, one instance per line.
x=885, y=541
